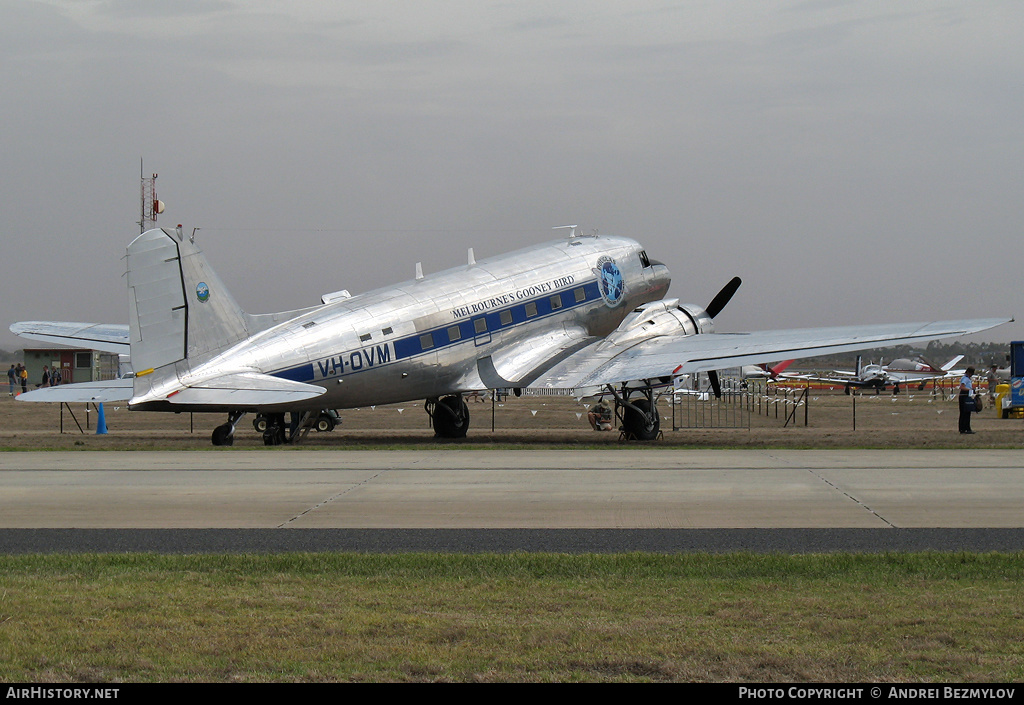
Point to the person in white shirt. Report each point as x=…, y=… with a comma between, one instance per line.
x=966, y=400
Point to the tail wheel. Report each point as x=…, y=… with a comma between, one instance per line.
x=451, y=418
x=642, y=423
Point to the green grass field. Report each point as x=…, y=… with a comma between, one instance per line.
x=519, y=617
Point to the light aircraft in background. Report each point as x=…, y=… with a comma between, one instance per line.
x=902, y=371
x=919, y=371
x=581, y=312
x=764, y=370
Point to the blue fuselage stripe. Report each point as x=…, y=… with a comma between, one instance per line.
x=440, y=337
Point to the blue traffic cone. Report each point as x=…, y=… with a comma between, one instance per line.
x=101, y=421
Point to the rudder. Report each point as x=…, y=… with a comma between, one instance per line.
x=178, y=308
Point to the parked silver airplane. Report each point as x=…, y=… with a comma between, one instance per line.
x=899, y=372
x=581, y=312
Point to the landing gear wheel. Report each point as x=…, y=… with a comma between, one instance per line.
x=451, y=418
x=260, y=423
x=223, y=435
x=324, y=424
x=642, y=423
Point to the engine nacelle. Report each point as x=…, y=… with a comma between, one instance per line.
x=665, y=317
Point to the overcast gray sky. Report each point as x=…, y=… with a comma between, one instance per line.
x=853, y=162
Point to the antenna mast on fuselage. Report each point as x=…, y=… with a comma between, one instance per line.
x=150, y=206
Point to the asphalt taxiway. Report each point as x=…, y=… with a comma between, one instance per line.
x=469, y=500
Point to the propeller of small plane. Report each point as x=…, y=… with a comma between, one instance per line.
x=713, y=309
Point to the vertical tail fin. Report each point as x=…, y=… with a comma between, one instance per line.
x=949, y=365
x=177, y=306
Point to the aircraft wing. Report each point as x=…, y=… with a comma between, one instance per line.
x=669, y=355
x=109, y=337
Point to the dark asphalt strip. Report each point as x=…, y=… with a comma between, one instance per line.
x=784, y=541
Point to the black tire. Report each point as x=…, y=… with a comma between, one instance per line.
x=448, y=422
x=324, y=424
x=222, y=436
x=638, y=425
x=260, y=423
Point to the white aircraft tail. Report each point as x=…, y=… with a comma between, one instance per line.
x=178, y=308
x=949, y=365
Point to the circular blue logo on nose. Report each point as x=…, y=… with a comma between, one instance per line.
x=202, y=292
x=609, y=281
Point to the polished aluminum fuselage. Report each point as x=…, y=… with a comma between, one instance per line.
x=423, y=338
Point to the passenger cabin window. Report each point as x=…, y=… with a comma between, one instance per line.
x=506, y=317
x=644, y=260
x=531, y=309
x=387, y=331
x=454, y=334
x=480, y=325
x=580, y=294
x=363, y=338
x=556, y=302
x=426, y=341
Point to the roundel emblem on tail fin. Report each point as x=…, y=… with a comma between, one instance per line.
x=610, y=281
x=202, y=292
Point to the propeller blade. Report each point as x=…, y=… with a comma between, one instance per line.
x=722, y=298
x=716, y=386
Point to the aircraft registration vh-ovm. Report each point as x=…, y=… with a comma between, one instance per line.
x=584, y=311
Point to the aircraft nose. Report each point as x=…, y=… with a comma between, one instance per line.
x=662, y=277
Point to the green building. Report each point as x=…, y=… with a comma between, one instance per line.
x=75, y=364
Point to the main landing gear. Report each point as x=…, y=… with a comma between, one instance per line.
x=449, y=416
x=638, y=415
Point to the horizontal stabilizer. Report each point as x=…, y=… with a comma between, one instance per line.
x=108, y=337
x=84, y=392
x=244, y=390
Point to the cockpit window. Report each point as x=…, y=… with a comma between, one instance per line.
x=644, y=260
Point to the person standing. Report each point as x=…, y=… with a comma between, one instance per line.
x=12, y=379
x=45, y=381
x=23, y=375
x=966, y=400
x=993, y=381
